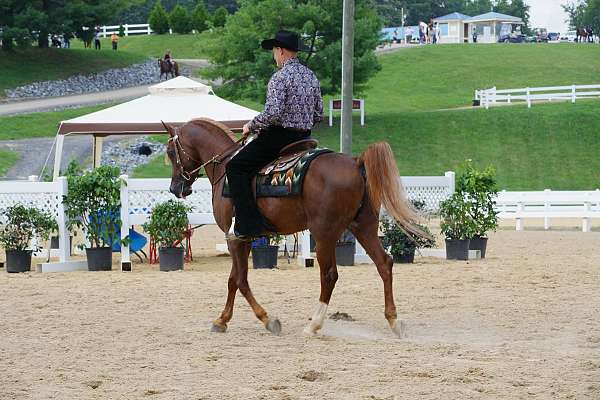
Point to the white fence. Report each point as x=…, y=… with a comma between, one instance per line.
x=130, y=29
x=139, y=196
x=548, y=204
x=493, y=96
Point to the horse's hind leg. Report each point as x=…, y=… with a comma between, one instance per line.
x=220, y=324
x=365, y=228
x=329, y=275
x=240, y=250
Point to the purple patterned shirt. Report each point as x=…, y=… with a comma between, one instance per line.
x=293, y=99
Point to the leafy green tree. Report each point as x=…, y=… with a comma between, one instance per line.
x=159, y=20
x=237, y=57
x=220, y=17
x=41, y=18
x=180, y=20
x=576, y=12
x=592, y=15
x=200, y=17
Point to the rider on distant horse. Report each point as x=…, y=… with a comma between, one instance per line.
x=168, y=59
x=294, y=105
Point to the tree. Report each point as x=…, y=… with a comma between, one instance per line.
x=220, y=17
x=200, y=17
x=246, y=68
x=39, y=18
x=159, y=20
x=592, y=15
x=576, y=12
x=180, y=20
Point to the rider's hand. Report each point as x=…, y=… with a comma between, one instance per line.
x=246, y=130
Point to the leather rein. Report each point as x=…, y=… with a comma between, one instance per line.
x=217, y=159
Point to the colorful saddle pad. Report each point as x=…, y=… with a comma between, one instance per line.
x=284, y=176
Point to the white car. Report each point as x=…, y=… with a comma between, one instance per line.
x=570, y=37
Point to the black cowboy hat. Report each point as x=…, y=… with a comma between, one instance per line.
x=285, y=39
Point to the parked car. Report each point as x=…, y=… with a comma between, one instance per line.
x=570, y=37
x=512, y=38
x=541, y=35
x=553, y=36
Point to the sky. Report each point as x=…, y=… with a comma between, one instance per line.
x=548, y=14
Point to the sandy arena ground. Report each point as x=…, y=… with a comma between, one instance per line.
x=524, y=323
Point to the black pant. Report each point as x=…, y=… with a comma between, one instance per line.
x=244, y=166
x=97, y=44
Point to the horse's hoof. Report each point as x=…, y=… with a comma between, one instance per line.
x=274, y=326
x=309, y=331
x=218, y=328
x=399, y=329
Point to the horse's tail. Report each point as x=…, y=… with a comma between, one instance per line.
x=384, y=188
x=176, y=67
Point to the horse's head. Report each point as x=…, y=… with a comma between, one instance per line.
x=184, y=167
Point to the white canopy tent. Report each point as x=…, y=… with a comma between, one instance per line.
x=175, y=102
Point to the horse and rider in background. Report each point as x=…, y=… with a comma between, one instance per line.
x=168, y=66
x=585, y=35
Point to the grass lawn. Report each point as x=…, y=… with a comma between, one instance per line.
x=7, y=160
x=435, y=77
x=25, y=66
x=154, y=46
x=42, y=124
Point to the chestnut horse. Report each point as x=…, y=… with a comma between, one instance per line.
x=339, y=192
x=168, y=68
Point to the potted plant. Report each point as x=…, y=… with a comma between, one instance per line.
x=345, y=248
x=167, y=227
x=265, y=250
x=93, y=204
x=457, y=226
x=403, y=246
x=21, y=225
x=480, y=188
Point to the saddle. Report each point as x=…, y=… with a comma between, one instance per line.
x=284, y=176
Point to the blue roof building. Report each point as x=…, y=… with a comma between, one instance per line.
x=452, y=28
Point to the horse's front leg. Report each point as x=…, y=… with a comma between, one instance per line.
x=240, y=250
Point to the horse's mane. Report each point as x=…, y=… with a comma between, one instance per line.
x=207, y=122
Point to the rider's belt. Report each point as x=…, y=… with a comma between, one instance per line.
x=305, y=132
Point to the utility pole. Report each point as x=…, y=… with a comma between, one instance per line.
x=347, y=76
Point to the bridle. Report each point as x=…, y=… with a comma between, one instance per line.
x=215, y=160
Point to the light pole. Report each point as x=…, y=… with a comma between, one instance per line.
x=347, y=76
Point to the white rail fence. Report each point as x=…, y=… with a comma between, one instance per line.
x=130, y=29
x=493, y=96
x=139, y=196
x=548, y=205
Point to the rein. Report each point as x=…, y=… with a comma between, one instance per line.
x=217, y=159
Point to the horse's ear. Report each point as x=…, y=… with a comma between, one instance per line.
x=167, y=128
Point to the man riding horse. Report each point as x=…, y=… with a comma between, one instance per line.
x=293, y=106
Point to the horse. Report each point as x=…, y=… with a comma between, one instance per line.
x=339, y=193
x=168, y=68
x=581, y=33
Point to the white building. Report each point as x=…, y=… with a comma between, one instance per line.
x=489, y=26
x=452, y=28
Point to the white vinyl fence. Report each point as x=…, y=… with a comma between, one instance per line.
x=139, y=196
x=548, y=205
x=493, y=96
x=130, y=29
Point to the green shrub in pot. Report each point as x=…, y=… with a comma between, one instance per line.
x=167, y=226
x=481, y=189
x=93, y=204
x=20, y=225
x=457, y=225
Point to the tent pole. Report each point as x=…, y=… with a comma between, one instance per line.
x=58, y=156
x=97, y=150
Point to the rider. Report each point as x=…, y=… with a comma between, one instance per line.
x=168, y=58
x=293, y=106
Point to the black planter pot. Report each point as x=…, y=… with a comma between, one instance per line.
x=264, y=256
x=170, y=258
x=408, y=257
x=479, y=243
x=18, y=260
x=99, y=258
x=457, y=249
x=54, y=243
x=344, y=253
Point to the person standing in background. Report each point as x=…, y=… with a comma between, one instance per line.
x=114, y=38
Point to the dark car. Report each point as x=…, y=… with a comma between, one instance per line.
x=512, y=38
x=553, y=36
